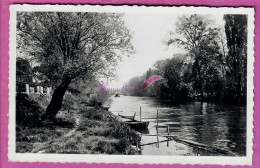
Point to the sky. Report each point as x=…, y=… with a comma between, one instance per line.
x=149, y=32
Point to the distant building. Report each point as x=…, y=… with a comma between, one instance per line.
x=25, y=81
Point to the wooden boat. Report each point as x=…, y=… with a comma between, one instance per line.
x=128, y=117
x=105, y=108
x=134, y=123
x=137, y=124
x=117, y=95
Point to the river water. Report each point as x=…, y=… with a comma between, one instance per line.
x=217, y=126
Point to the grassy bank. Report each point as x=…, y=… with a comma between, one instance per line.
x=85, y=130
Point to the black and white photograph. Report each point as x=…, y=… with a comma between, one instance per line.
x=129, y=84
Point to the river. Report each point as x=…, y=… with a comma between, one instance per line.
x=209, y=124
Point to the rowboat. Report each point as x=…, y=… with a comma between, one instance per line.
x=128, y=117
x=134, y=123
x=105, y=107
x=137, y=124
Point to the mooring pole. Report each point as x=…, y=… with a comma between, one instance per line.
x=157, y=141
x=140, y=113
x=157, y=123
x=168, y=129
x=137, y=143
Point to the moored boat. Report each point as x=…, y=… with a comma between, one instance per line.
x=128, y=117
x=137, y=124
x=105, y=107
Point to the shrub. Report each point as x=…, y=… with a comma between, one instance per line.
x=122, y=145
x=121, y=130
x=28, y=111
x=114, y=128
x=100, y=98
x=70, y=101
x=43, y=101
x=95, y=113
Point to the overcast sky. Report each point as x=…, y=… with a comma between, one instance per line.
x=150, y=30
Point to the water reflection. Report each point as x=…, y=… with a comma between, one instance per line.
x=221, y=127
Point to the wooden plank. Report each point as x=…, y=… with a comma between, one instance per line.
x=190, y=143
x=203, y=147
x=135, y=122
x=151, y=143
x=161, y=135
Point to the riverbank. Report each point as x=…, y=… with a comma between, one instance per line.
x=87, y=130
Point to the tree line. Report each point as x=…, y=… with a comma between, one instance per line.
x=212, y=68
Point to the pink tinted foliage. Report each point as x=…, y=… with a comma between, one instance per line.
x=150, y=81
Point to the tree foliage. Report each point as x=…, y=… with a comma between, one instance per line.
x=76, y=44
x=199, y=39
x=213, y=68
x=67, y=46
x=236, y=33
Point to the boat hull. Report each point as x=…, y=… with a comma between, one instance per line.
x=138, y=124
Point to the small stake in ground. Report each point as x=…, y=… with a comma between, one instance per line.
x=157, y=123
x=140, y=113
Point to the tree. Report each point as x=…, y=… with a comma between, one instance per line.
x=137, y=83
x=176, y=74
x=194, y=34
x=67, y=46
x=222, y=42
x=210, y=60
x=236, y=33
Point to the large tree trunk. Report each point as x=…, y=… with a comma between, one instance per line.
x=57, y=98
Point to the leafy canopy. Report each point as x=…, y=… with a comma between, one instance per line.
x=78, y=45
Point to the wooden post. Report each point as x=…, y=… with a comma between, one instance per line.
x=140, y=113
x=157, y=123
x=168, y=131
x=157, y=141
x=137, y=143
x=27, y=88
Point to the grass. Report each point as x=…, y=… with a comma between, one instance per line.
x=86, y=130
